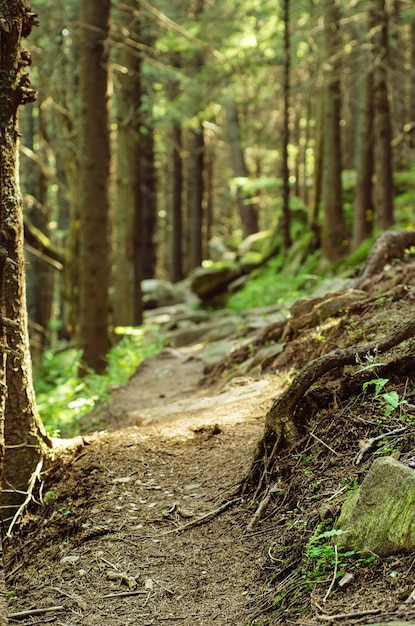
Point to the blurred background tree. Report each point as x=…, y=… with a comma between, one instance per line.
x=224, y=119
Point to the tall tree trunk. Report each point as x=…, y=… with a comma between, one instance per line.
x=176, y=266
x=363, y=205
x=149, y=204
x=412, y=85
x=39, y=278
x=383, y=188
x=25, y=438
x=196, y=228
x=127, y=214
x=334, y=237
x=94, y=181
x=285, y=221
x=247, y=210
x=313, y=215
x=210, y=177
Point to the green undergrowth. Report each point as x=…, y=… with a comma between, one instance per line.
x=283, y=279
x=63, y=397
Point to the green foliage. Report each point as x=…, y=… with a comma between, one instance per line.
x=389, y=400
x=323, y=556
x=280, y=281
x=63, y=398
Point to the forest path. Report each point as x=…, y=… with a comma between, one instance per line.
x=170, y=452
x=130, y=530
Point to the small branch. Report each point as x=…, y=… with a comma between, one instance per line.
x=339, y=616
x=29, y=493
x=125, y=594
x=30, y=612
x=333, y=580
x=263, y=505
x=207, y=517
x=371, y=442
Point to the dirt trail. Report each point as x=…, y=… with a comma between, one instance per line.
x=130, y=530
x=117, y=507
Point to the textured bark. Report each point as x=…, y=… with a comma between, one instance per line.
x=176, y=268
x=127, y=214
x=93, y=183
x=285, y=221
x=196, y=212
x=39, y=276
x=25, y=438
x=411, y=113
x=149, y=205
x=247, y=210
x=363, y=206
x=383, y=188
x=334, y=235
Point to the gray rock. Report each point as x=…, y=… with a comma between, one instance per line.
x=160, y=293
x=334, y=284
x=215, y=351
x=380, y=516
x=212, y=331
x=208, y=282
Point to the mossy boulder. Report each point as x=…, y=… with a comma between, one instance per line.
x=207, y=282
x=380, y=516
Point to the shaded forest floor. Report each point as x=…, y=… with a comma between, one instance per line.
x=141, y=521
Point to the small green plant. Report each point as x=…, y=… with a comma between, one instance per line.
x=49, y=497
x=65, y=509
x=323, y=556
x=63, y=398
x=390, y=400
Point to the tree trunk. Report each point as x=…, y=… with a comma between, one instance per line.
x=39, y=278
x=25, y=438
x=383, y=188
x=196, y=222
x=127, y=214
x=411, y=115
x=363, y=205
x=247, y=211
x=149, y=204
x=94, y=181
x=176, y=269
x=285, y=221
x=313, y=215
x=334, y=236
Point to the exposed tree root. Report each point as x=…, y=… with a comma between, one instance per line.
x=389, y=245
x=283, y=424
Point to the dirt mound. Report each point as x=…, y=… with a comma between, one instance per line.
x=141, y=523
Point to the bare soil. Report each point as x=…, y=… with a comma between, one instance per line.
x=140, y=521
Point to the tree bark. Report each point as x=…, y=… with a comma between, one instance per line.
x=196, y=228
x=285, y=221
x=383, y=188
x=177, y=215
x=334, y=235
x=149, y=204
x=25, y=438
x=247, y=211
x=363, y=214
x=39, y=277
x=127, y=212
x=92, y=337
